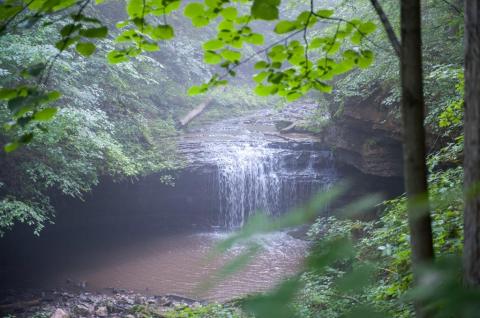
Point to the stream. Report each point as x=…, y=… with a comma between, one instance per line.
x=239, y=167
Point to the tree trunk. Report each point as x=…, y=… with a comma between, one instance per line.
x=195, y=112
x=415, y=169
x=392, y=37
x=471, y=251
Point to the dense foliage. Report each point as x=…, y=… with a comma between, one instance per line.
x=114, y=118
x=111, y=120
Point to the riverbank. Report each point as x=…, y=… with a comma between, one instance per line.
x=111, y=304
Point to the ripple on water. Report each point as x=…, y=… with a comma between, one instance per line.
x=179, y=264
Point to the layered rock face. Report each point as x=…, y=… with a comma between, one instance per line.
x=367, y=138
x=364, y=136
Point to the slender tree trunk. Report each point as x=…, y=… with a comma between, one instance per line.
x=195, y=112
x=415, y=169
x=392, y=37
x=471, y=251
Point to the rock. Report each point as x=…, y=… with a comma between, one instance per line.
x=152, y=300
x=367, y=137
x=101, y=311
x=60, y=313
x=140, y=300
x=282, y=124
x=83, y=310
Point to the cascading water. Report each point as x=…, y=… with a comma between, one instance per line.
x=256, y=170
x=255, y=178
x=248, y=181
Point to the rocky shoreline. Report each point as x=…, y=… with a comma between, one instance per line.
x=113, y=304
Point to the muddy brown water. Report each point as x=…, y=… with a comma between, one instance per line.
x=177, y=263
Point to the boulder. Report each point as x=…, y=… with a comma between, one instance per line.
x=83, y=310
x=101, y=311
x=60, y=313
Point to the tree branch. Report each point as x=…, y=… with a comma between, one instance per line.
x=454, y=7
x=387, y=26
x=4, y=26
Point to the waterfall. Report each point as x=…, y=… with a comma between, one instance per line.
x=255, y=178
x=248, y=181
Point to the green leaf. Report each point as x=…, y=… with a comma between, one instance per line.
x=233, y=56
x=322, y=87
x=115, y=57
x=365, y=59
x=367, y=27
x=260, y=77
x=229, y=13
x=122, y=24
x=255, y=39
x=276, y=78
x=26, y=138
x=195, y=90
x=212, y=58
x=99, y=32
x=265, y=9
x=306, y=17
x=163, y=32
x=264, y=90
x=356, y=37
x=45, y=114
x=356, y=279
x=52, y=96
x=275, y=304
x=226, y=26
x=135, y=8
x=350, y=54
x=34, y=70
x=261, y=65
x=194, y=9
x=293, y=96
x=213, y=3
x=200, y=21
x=285, y=27
x=317, y=43
x=333, y=48
x=149, y=46
x=213, y=45
x=324, y=13
x=63, y=44
x=69, y=29
x=8, y=93
x=172, y=6
x=11, y=146
x=85, y=48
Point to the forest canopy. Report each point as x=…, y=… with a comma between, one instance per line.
x=95, y=89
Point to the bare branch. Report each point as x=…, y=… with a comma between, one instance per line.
x=355, y=27
x=265, y=49
x=4, y=26
x=387, y=26
x=392, y=37
x=452, y=6
x=49, y=66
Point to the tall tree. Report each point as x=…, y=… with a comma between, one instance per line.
x=472, y=143
x=413, y=105
x=411, y=74
x=414, y=148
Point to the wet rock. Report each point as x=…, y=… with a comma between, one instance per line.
x=83, y=310
x=180, y=299
x=101, y=311
x=140, y=300
x=282, y=124
x=60, y=313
